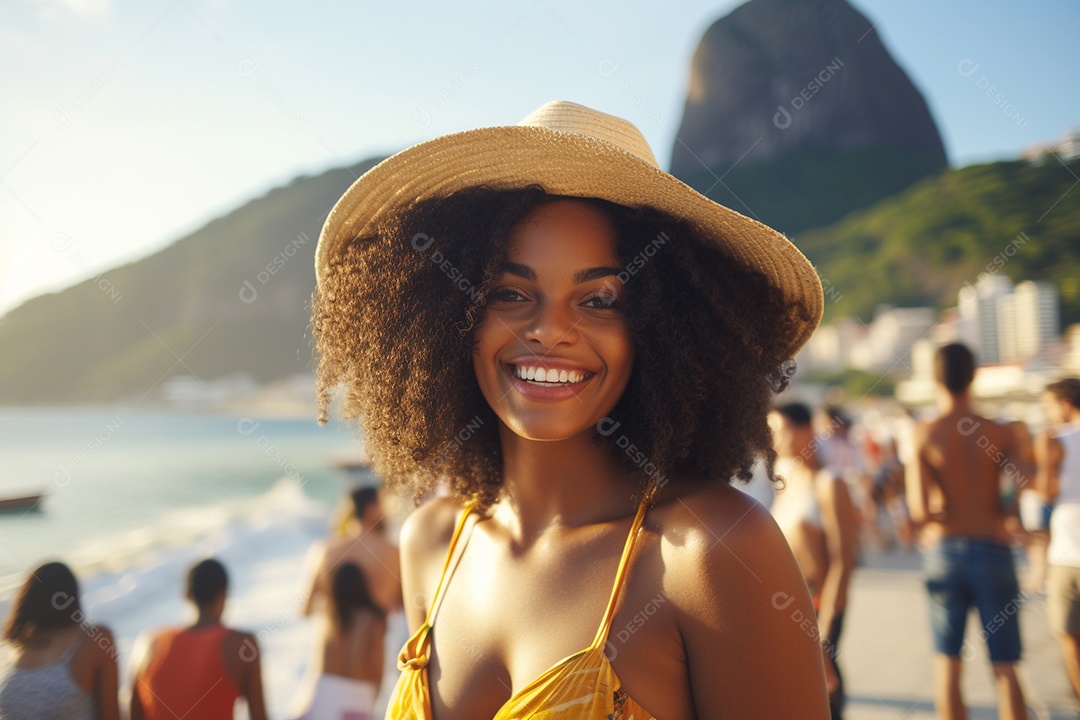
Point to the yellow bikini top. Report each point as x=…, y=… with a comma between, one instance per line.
x=582, y=686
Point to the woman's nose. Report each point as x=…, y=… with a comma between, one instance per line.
x=552, y=324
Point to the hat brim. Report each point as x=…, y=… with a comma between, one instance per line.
x=573, y=164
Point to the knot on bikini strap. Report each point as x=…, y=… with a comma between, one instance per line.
x=414, y=663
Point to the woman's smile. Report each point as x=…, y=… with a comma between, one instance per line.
x=543, y=375
x=539, y=381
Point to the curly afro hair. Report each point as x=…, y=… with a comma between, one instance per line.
x=394, y=320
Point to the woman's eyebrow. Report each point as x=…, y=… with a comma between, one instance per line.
x=518, y=269
x=594, y=273
x=581, y=276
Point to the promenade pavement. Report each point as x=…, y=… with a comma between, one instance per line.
x=886, y=652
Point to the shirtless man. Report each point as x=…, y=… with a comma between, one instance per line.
x=954, y=496
x=366, y=545
x=820, y=523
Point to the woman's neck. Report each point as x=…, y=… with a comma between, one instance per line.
x=567, y=482
x=45, y=638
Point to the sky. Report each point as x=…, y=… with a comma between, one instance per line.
x=125, y=125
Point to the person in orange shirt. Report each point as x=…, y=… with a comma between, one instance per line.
x=199, y=671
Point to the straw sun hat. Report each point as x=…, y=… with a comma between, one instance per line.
x=568, y=149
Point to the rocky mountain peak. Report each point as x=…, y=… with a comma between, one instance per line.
x=776, y=78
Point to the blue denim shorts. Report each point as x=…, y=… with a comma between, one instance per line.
x=962, y=573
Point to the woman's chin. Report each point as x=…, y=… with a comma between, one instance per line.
x=547, y=429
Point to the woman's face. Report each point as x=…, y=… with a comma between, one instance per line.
x=1055, y=408
x=783, y=435
x=553, y=351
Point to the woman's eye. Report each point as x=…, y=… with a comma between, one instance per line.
x=505, y=295
x=602, y=302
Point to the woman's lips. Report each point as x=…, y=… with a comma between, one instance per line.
x=546, y=392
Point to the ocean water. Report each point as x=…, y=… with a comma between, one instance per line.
x=134, y=497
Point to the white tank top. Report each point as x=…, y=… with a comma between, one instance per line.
x=47, y=691
x=1069, y=473
x=797, y=504
x=1065, y=520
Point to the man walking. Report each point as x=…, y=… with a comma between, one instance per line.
x=954, y=494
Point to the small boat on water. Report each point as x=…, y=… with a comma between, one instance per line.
x=353, y=465
x=356, y=466
x=21, y=503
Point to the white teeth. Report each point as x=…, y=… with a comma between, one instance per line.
x=548, y=375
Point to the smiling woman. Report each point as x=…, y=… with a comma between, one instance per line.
x=562, y=360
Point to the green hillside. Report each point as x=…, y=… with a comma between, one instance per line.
x=919, y=247
x=232, y=297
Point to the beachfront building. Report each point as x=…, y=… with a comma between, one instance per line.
x=1002, y=323
x=189, y=390
x=1036, y=318
x=1008, y=342
x=893, y=333
x=1072, y=349
x=883, y=345
x=1014, y=333
x=978, y=309
x=1065, y=148
x=830, y=347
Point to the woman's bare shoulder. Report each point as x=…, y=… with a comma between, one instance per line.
x=713, y=536
x=425, y=537
x=102, y=635
x=705, y=514
x=99, y=643
x=429, y=527
x=737, y=596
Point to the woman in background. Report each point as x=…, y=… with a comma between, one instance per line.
x=62, y=666
x=348, y=662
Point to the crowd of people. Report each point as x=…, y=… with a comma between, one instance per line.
x=968, y=491
x=842, y=489
x=62, y=666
